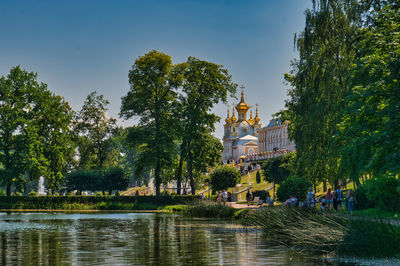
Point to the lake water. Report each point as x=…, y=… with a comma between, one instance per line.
x=134, y=239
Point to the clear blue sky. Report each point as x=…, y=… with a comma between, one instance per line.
x=80, y=46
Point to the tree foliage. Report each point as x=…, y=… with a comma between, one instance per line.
x=106, y=179
x=297, y=186
x=224, y=177
x=369, y=133
x=203, y=84
x=95, y=131
x=35, y=129
x=150, y=97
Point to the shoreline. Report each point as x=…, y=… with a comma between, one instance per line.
x=84, y=211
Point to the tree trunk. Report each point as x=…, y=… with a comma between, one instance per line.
x=179, y=172
x=190, y=170
x=273, y=195
x=8, y=188
x=357, y=182
x=157, y=178
x=109, y=192
x=324, y=185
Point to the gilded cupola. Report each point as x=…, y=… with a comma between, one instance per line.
x=242, y=107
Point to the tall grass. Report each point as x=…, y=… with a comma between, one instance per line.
x=311, y=231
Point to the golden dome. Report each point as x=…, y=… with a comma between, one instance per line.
x=233, y=118
x=228, y=119
x=242, y=105
x=257, y=119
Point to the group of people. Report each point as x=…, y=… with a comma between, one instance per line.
x=223, y=196
x=333, y=200
x=249, y=198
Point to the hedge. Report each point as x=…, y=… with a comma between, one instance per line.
x=59, y=202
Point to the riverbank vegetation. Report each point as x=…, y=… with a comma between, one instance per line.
x=309, y=231
x=93, y=202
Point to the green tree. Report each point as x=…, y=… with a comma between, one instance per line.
x=150, y=97
x=224, y=177
x=203, y=84
x=54, y=121
x=297, y=186
x=35, y=137
x=277, y=170
x=369, y=133
x=95, y=130
x=258, y=177
x=327, y=48
x=113, y=179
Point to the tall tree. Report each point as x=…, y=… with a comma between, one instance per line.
x=369, y=132
x=34, y=128
x=16, y=92
x=150, y=97
x=277, y=170
x=54, y=123
x=95, y=129
x=203, y=84
x=319, y=80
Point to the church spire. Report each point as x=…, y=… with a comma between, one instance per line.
x=242, y=107
x=256, y=118
x=233, y=118
x=228, y=119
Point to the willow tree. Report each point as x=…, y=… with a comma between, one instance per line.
x=369, y=130
x=149, y=98
x=203, y=85
x=319, y=84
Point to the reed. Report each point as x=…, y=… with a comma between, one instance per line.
x=318, y=233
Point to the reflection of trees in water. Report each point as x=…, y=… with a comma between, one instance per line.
x=148, y=239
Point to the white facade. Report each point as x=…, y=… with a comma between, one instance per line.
x=240, y=135
x=275, y=137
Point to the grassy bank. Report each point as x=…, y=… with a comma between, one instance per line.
x=317, y=233
x=93, y=202
x=209, y=210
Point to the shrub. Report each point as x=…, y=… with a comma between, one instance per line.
x=99, y=194
x=363, y=201
x=65, y=202
x=209, y=210
x=258, y=177
x=383, y=192
x=293, y=185
x=224, y=177
x=262, y=194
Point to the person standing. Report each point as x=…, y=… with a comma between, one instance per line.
x=219, y=197
x=337, y=199
x=269, y=201
x=329, y=199
x=224, y=196
x=351, y=201
x=249, y=197
x=310, y=198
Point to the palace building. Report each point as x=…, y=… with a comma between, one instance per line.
x=240, y=134
x=274, y=137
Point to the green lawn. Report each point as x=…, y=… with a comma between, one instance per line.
x=251, y=178
x=376, y=213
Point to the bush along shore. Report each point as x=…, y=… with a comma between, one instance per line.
x=326, y=234
x=93, y=202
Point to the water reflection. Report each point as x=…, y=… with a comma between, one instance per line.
x=133, y=239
